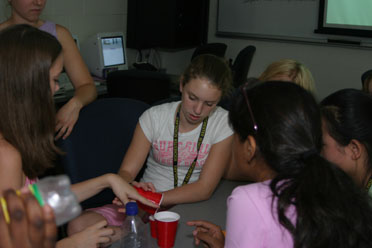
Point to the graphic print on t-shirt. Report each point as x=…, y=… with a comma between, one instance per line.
x=163, y=153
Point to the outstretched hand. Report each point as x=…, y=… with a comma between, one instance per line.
x=91, y=237
x=145, y=186
x=208, y=233
x=125, y=192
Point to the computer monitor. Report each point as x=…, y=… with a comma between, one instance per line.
x=105, y=52
x=76, y=39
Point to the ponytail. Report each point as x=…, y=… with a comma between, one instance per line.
x=331, y=210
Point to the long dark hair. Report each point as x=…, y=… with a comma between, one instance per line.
x=348, y=115
x=26, y=105
x=331, y=210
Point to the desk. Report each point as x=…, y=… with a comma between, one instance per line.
x=63, y=96
x=213, y=210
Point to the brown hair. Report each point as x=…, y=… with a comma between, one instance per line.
x=212, y=68
x=26, y=105
x=291, y=68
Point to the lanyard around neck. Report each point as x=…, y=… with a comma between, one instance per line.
x=175, y=149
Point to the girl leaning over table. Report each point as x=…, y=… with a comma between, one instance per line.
x=187, y=142
x=30, y=63
x=300, y=199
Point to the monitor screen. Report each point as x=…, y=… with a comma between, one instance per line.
x=345, y=17
x=76, y=39
x=112, y=50
x=348, y=14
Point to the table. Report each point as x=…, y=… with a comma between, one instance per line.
x=213, y=210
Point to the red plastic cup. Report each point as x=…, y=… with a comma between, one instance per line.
x=166, y=225
x=153, y=227
x=152, y=196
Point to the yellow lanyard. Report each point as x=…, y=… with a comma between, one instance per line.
x=175, y=149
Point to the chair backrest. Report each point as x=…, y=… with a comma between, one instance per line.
x=241, y=65
x=218, y=49
x=146, y=86
x=366, y=75
x=99, y=141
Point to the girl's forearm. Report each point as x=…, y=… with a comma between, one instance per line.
x=85, y=94
x=91, y=187
x=193, y=192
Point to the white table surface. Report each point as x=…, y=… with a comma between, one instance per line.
x=213, y=210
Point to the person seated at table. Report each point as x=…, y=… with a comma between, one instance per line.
x=187, y=142
x=305, y=201
x=282, y=70
x=347, y=134
x=367, y=81
x=28, y=12
x=30, y=225
x=30, y=63
x=291, y=71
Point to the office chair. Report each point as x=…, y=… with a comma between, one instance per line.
x=146, y=86
x=367, y=75
x=218, y=49
x=241, y=65
x=99, y=141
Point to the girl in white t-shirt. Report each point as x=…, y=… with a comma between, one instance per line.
x=195, y=121
x=200, y=123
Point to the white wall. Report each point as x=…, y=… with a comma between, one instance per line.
x=333, y=67
x=83, y=17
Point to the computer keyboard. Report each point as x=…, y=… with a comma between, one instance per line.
x=64, y=82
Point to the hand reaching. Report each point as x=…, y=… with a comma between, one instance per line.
x=124, y=191
x=91, y=237
x=210, y=234
x=145, y=186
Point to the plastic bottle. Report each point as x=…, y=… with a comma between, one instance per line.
x=135, y=232
x=56, y=192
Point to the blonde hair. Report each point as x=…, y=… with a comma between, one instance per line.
x=296, y=71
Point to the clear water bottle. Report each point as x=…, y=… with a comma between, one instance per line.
x=56, y=192
x=135, y=232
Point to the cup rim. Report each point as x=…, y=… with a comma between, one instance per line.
x=166, y=214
